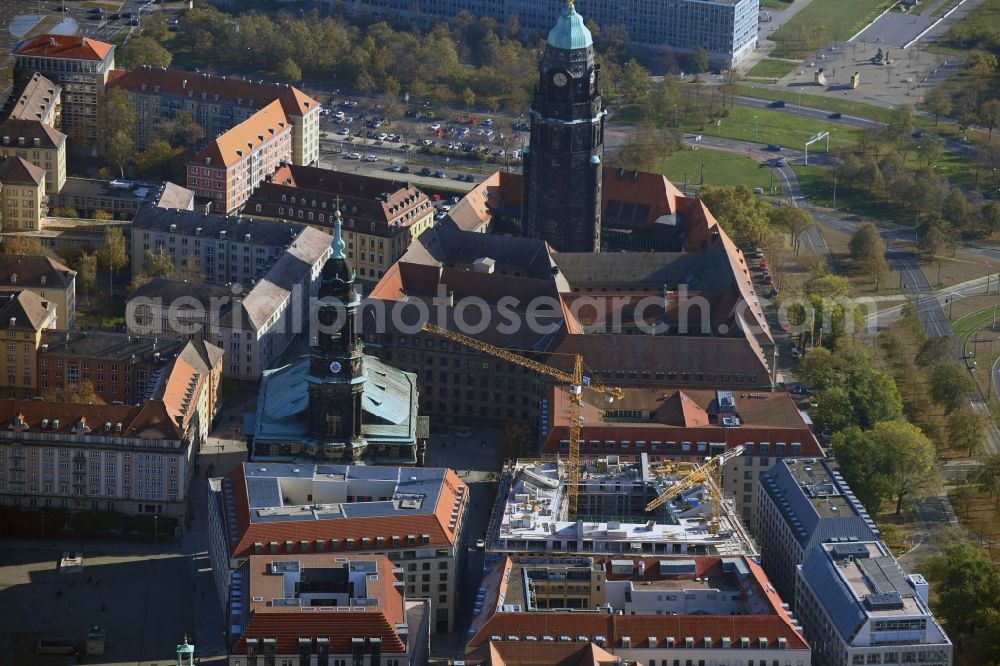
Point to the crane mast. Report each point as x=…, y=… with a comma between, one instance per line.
x=573, y=383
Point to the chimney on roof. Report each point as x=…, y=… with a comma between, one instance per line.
x=13, y=320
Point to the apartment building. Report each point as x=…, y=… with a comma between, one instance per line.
x=127, y=459
x=415, y=516
x=36, y=98
x=726, y=29
x=46, y=278
x=686, y=425
x=338, y=609
x=217, y=104
x=23, y=202
x=228, y=169
x=221, y=249
x=702, y=610
x=80, y=65
x=23, y=318
x=254, y=326
x=858, y=606
x=803, y=504
x=381, y=217
x=38, y=143
x=120, y=367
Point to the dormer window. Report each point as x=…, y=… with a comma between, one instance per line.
x=13, y=278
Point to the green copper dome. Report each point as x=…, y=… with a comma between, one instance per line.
x=570, y=32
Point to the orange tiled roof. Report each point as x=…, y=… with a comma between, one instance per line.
x=287, y=623
x=254, y=94
x=134, y=420
x=181, y=387
x=436, y=525
x=71, y=47
x=234, y=145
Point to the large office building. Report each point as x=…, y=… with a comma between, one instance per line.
x=858, y=606
x=216, y=103
x=381, y=217
x=532, y=512
x=726, y=29
x=325, y=609
x=80, y=65
x=803, y=504
x=118, y=458
x=722, y=611
x=414, y=516
x=687, y=319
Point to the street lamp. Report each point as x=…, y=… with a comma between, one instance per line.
x=675, y=116
x=755, y=138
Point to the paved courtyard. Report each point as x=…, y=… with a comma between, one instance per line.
x=140, y=594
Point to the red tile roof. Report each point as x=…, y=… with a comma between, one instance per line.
x=436, y=525
x=237, y=143
x=533, y=653
x=764, y=417
x=231, y=90
x=135, y=420
x=64, y=46
x=288, y=623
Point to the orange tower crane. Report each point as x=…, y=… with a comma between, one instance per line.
x=574, y=382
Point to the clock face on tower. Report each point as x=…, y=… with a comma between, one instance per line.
x=335, y=367
x=559, y=79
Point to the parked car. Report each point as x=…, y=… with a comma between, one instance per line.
x=435, y=127
x=354, y=156
x=777, y=104
x=440, y=174
x=469, y=178
x=371, y=158
x=773, y=147
x=344, y=131
x=425, y=172
x=836, y=115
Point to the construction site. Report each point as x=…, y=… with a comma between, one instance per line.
x=630, y=508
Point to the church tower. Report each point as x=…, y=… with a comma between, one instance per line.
x=562, y=166
x=336, y=371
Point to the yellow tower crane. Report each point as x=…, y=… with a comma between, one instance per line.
x=574, y=383
x=706, y=474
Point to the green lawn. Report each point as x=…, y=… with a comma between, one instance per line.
x=823, y=21
x=987, y=13
x=776, y=4
x=768, y=68
x=774, y=127
x=720, y=168
x=817, y=186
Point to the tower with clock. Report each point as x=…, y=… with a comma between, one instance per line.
x=562, y=164
x=336, y=368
